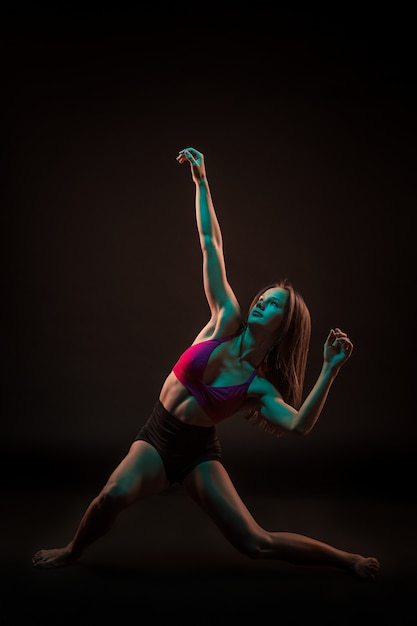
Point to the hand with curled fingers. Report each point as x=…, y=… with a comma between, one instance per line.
x=196, y=161
x=337, y=348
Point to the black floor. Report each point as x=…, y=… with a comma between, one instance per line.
x=165, y=559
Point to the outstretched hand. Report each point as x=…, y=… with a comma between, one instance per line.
x=337, y=349
x=196, y=161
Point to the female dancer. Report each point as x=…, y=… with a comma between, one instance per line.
x=253, y=368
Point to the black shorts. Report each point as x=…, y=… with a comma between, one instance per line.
x=181, y=446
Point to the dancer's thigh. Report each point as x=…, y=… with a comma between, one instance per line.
x=210, y=486
x=140, y=474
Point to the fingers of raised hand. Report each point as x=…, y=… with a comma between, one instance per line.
x=189, y=154
x=341, y=340
x=344, y=343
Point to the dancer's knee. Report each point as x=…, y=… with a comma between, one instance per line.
x=250, y=546
x=113, y=496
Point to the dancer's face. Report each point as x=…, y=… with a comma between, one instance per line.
x=269, y=310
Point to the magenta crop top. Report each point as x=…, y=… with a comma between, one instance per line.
x=217, y=402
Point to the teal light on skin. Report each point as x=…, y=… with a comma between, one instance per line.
x=270, y=308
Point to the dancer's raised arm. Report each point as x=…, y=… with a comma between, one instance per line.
x=222, y=301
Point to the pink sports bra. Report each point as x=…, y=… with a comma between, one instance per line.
x=217, y=402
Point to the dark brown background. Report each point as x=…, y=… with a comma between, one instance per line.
x=308, y=125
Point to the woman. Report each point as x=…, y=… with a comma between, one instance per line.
x=253, y=368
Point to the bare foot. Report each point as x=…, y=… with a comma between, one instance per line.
x=365, y=567
x=57, y=557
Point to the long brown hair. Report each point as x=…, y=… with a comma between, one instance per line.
x=286, y=361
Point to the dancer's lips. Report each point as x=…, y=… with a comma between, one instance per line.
x=257, y=313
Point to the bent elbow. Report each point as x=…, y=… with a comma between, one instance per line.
x=300, y=431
